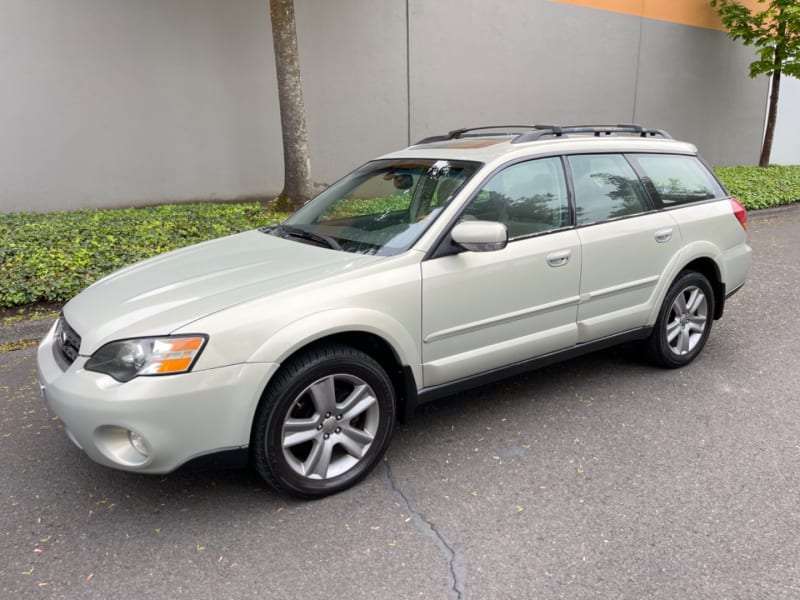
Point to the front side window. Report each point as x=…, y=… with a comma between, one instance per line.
x=679, y=179
x=381, y=208
x=606, y=187
x=528, y=198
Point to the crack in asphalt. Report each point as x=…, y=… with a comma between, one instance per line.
x=456, y=565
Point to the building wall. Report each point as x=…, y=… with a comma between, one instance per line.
x=124, y=102
x=113, y=103
x=555, y=62
x=353, y=56
x=786, y=144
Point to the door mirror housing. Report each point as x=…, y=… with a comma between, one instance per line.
x=480, y=236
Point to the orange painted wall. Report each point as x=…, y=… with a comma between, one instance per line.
x=697, y=13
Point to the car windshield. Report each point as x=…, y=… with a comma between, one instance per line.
x=380, y=208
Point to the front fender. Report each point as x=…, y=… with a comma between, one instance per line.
x=298, y=334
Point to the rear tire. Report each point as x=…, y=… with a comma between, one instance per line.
x=324, y=422
x=684, y=322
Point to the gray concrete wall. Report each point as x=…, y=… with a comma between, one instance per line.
x=354, y=68
x=694, y=83
x=522, y=61
x=478, y=63
x=786, y=145
x=112, y=102
x=120, y=102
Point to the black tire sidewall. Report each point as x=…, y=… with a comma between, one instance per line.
x=660, y=350
x=278, y=400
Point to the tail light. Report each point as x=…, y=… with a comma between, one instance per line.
x=739, y=212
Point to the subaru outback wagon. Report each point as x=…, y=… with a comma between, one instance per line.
x=465, y=258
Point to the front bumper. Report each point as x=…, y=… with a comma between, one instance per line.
x=179, y=417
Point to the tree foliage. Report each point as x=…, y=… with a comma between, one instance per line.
x=775, y=32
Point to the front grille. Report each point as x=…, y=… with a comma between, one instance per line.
x=66, y=343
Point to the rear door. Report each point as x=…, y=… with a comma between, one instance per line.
x=627, y=245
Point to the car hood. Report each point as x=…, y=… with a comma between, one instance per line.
x=161, y=294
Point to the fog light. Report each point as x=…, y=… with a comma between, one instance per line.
x=138, y=444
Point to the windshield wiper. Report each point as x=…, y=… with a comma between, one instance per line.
x=323, y=240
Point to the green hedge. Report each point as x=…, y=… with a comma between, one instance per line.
x=53, y=256
x=757, y=187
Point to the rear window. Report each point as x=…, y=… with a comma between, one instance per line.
x=679, y=179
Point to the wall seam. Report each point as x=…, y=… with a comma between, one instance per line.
x=638, y=65
x=408, y=73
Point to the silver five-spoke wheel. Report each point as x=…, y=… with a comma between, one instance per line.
x=687, y=320
x=684, y=321
x=324, y=421
x=330, y=426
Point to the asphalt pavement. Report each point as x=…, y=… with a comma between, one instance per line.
x=600, y=477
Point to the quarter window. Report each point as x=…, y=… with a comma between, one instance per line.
x=606, y=187
x=679, y=179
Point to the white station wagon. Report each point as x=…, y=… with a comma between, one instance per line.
x=468, y=257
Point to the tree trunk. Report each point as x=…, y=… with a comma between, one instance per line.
x=296, y=163
x=772, y=117
x=772, y=113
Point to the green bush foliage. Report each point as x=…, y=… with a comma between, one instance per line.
x=53, y=256
x=758, y=187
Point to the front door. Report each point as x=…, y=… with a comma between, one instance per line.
x=484, y=310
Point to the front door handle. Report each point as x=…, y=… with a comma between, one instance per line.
x=663, y=235
x=559, y=259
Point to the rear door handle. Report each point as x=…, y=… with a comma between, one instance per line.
x=559, y=259
x=663, y=235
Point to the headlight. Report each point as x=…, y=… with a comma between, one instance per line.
x=127, y=359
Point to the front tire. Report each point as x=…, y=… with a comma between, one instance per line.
x=684, y=322
x=324, y=422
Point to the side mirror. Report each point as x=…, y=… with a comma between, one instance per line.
x=480, y=236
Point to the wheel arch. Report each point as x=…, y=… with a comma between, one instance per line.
x=377, y=335
x=704, y=258
x=385, y=355
x=709, y=268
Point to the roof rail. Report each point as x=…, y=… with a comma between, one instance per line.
x=536, y=132
x=540, y=131
x=471, y=132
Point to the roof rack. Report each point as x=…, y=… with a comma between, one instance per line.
x=536, y=132
x=540, y=131
x=472, y=132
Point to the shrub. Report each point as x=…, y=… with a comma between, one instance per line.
x=53, y=256
x=758, y=187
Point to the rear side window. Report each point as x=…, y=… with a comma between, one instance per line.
x=606, y=187
x=679, y=179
